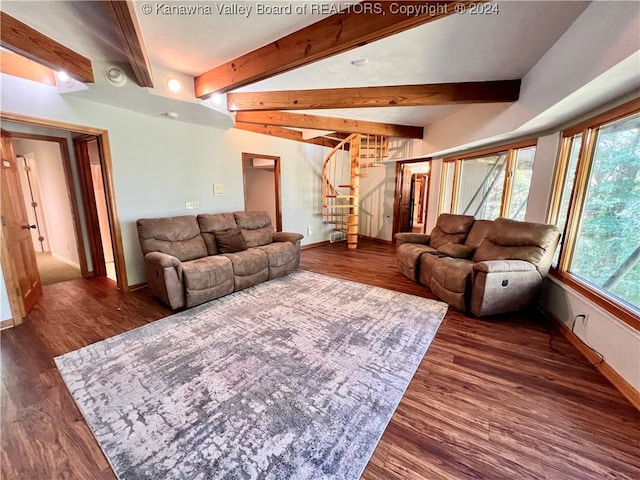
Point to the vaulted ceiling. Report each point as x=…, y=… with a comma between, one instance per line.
x=303, y=54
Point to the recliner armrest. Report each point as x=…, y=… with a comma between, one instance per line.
x=495, y=266
x=408, y=237
x=287, y=237
x=162, y=259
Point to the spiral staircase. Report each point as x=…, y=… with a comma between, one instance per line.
x=350, y=160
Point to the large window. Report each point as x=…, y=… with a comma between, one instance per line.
x=597, y=205
x=489, y=184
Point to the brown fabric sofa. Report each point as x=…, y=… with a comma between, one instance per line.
x=498, y=268
x=190, y=260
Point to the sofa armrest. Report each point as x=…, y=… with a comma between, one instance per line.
x=287, y=237
x=408, y=237
x=164, y=275
x=494, y=266
x=162, y=259
x=501, y=286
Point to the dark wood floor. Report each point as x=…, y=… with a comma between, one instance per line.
x=490, y=400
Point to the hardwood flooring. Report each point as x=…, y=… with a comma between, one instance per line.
x=490, y=399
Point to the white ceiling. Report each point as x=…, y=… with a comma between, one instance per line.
x=499, y=46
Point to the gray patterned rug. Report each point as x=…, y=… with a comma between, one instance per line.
x=295, y=378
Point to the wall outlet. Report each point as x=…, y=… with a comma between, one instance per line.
x=192, y=205
x=309, y=230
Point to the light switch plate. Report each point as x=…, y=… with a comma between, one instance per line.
x=218, y=189
x=192, y=205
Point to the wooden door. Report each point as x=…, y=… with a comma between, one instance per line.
x=17, y=231
x=405, y=209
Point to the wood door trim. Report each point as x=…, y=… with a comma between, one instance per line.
x=398, y=187
x=89, y=201
x=107, y=173
x=71, y=193
x=276, y=171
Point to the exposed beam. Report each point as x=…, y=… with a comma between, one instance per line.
x=357, y=25
x=287, y=133
x=392, y=96
x=299, y=120
x=19, y=66
x=21, y=38
x=126, y=23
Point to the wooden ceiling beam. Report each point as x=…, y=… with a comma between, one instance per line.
x=357, y=25
x=124, y=19
x=19, y=66
x=287, y=133
x=299, y=120
x=28, y=42
x=391, y=96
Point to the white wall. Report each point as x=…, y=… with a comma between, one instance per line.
x=159, y=164
x=56, y=202
x=5, y=308
x=376, y=201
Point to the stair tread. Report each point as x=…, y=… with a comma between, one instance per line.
x=337, y=206
x=340, y=196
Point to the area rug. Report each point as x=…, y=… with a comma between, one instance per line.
x=295, y=378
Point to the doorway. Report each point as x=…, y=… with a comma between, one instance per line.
x=81, y=209
x=411, y=197
x=261, y=176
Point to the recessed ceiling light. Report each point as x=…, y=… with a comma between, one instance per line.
x=174, y=84
x=115, y=76
x=64, y=79
x=216, y=99
x=360, y=62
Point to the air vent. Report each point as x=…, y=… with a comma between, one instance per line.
x=337, y=237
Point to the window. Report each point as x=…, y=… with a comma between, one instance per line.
x=597, y=204
x=489, y=184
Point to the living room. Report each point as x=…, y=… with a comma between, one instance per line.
x=587, y=67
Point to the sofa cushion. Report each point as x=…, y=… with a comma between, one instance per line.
x=207, y=278
x=230, y=241
x=514, y=240
x=250, y=267
x=450, y=228
x=452, y=273
x=176, y=236
x=212, y=223
x=282, y=257
x=477, y=234
x=456, y=250
x=256, y=227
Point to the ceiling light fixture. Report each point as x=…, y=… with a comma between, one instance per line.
x=216, y=99
x=174, y=85
x=64, y=78
x=115, y=76
x=171, y=115
x=360, y=62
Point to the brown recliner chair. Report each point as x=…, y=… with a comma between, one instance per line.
x=449, y=229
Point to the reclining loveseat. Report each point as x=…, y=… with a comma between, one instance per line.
x=480, y=267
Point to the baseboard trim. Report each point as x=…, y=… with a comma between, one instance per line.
x=138, y=286
x=65, y=260
x=609, y=373
x=4, y=324
x=374, y=239
x=314, y=245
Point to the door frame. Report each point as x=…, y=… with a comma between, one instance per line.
x=66, y=165
x=107, y=172
x=398, y=188
x=276, y=172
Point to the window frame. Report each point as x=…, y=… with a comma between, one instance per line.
x=507, y=187
x=589, y=129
